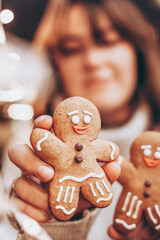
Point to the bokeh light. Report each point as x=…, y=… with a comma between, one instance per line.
x=6, y=16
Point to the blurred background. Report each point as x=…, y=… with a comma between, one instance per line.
x=25, y=74
x=23, y=94
x=27, y=14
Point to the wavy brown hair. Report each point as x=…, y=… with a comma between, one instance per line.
x=128, y=21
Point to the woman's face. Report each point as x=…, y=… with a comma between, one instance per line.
x=106, y=74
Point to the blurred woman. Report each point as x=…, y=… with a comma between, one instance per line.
x=105, y=51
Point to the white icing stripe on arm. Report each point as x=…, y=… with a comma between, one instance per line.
x=65, y=211
x=42, y=140
x=95, y=175
x=113, y=151
x=105, y=199
x=129, y=227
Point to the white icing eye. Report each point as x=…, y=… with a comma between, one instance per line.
x=75, y=119
x=157, y=155
x=147, y=152
x=87, y=119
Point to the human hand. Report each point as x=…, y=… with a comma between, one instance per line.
x=31, y=197
x=142, y=232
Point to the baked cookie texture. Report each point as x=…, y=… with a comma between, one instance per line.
x=140, y=178
x=74, y=150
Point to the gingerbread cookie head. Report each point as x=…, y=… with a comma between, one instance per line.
x=76, y=117
x=145, y=151
x=140, y=180
x=73, y=150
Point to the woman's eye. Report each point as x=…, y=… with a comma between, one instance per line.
x=87, y=119
x=67, y=51
x=75, y=119
x=147, y=152
x=157, y=155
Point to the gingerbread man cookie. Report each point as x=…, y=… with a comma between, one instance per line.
x=73, y=150
x=140, y=180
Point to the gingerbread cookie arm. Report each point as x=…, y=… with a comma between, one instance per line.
x=128, y=171
x=105, y=150
x=46, y=145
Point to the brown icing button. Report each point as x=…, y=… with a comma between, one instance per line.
x=148, y=183
x=79, y=146
x=78, y=158
x=146, y=194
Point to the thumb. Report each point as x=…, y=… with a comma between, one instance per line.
x=112, y=170
x=44, y=121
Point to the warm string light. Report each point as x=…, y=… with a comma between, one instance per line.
x=6, y=16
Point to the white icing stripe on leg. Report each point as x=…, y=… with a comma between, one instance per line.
x=105, y=199
x=72, y=193
x=126, y=201
x=42, y=140
x=157, y=210
x=65, y=211
x=66, y=195
x=134, y=198
x=94, y=194
x=157, y=227
x=113, y=151
x=59, y=194
x=107, y=188
x=99, y=188
x=137, y=209
x=129, y=227
x=154, y=220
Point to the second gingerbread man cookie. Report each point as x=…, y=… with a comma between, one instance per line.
x=73, y=150
x=140, y=180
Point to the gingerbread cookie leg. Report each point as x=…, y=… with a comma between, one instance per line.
x=128, y=212
x=153, y=216
x=98, y=191
x=63, y=199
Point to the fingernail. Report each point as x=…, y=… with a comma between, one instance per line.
x=45, y=172
x=40, y=119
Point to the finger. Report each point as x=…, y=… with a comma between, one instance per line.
x=114, y=234
x=37, y=214
x=24, y=158
x=32, y=193
x=44, y=121
x=82, y=205
x=112, y=170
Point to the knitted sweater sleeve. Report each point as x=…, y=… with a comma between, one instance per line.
x=70, y=230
